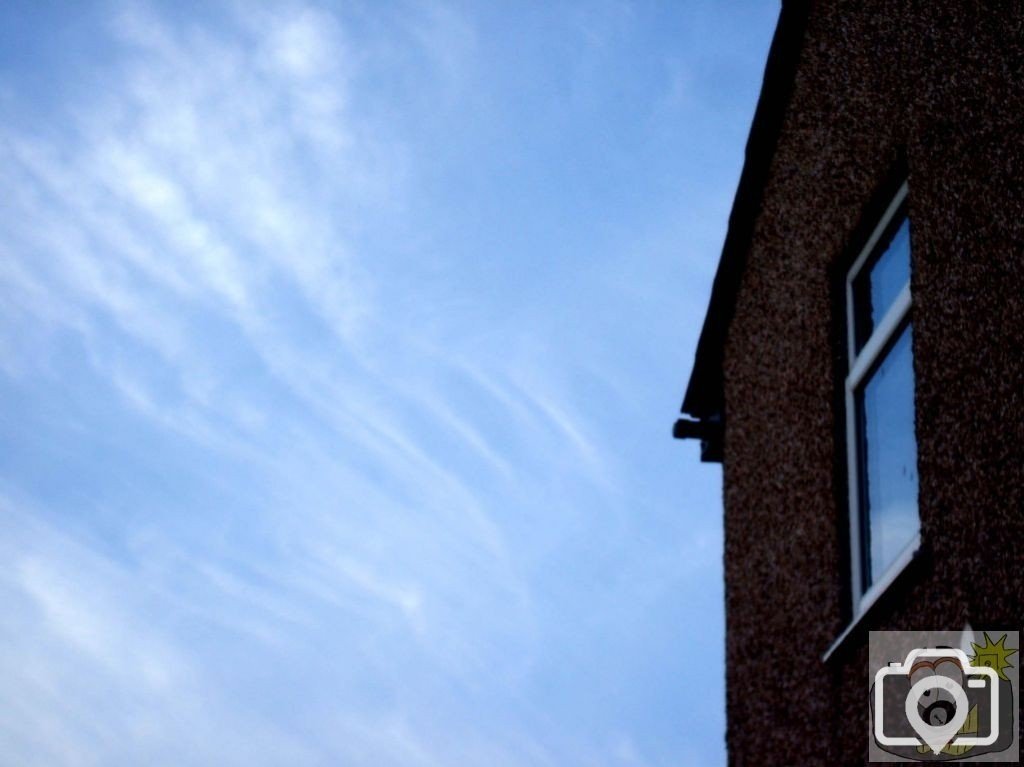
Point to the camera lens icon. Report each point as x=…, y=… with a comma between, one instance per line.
x=936, y=705
x=936, y=722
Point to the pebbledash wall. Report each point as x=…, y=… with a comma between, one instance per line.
x=857, y=97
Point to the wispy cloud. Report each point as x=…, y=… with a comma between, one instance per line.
x=199, y=205
x=276, y=493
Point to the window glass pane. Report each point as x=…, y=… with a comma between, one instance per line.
x=881, y=279
x=889, y=457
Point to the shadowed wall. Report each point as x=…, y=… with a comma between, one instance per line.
x=880, y=91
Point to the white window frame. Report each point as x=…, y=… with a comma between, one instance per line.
x=860, y=365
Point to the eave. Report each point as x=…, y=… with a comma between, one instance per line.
x=704, y=399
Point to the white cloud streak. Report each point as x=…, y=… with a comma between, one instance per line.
x=195, y=233
x=207, y=188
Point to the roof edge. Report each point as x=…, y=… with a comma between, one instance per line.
x=704, y=396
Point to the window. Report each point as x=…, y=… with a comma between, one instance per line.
x=879, y=392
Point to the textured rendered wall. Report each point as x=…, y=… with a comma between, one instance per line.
x=942, y=85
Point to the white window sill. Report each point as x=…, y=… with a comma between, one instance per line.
x=874, y=593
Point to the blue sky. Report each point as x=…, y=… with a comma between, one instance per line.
x=340, y=346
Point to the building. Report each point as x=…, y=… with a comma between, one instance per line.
x=860, y=371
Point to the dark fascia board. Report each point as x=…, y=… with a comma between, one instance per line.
x=704, y=394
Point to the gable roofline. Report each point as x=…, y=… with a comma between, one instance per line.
x=704, y=398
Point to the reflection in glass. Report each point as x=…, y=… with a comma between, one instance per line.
x=880, y=281
x=885, y=405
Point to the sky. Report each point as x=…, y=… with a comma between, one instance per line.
x=340, y=347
